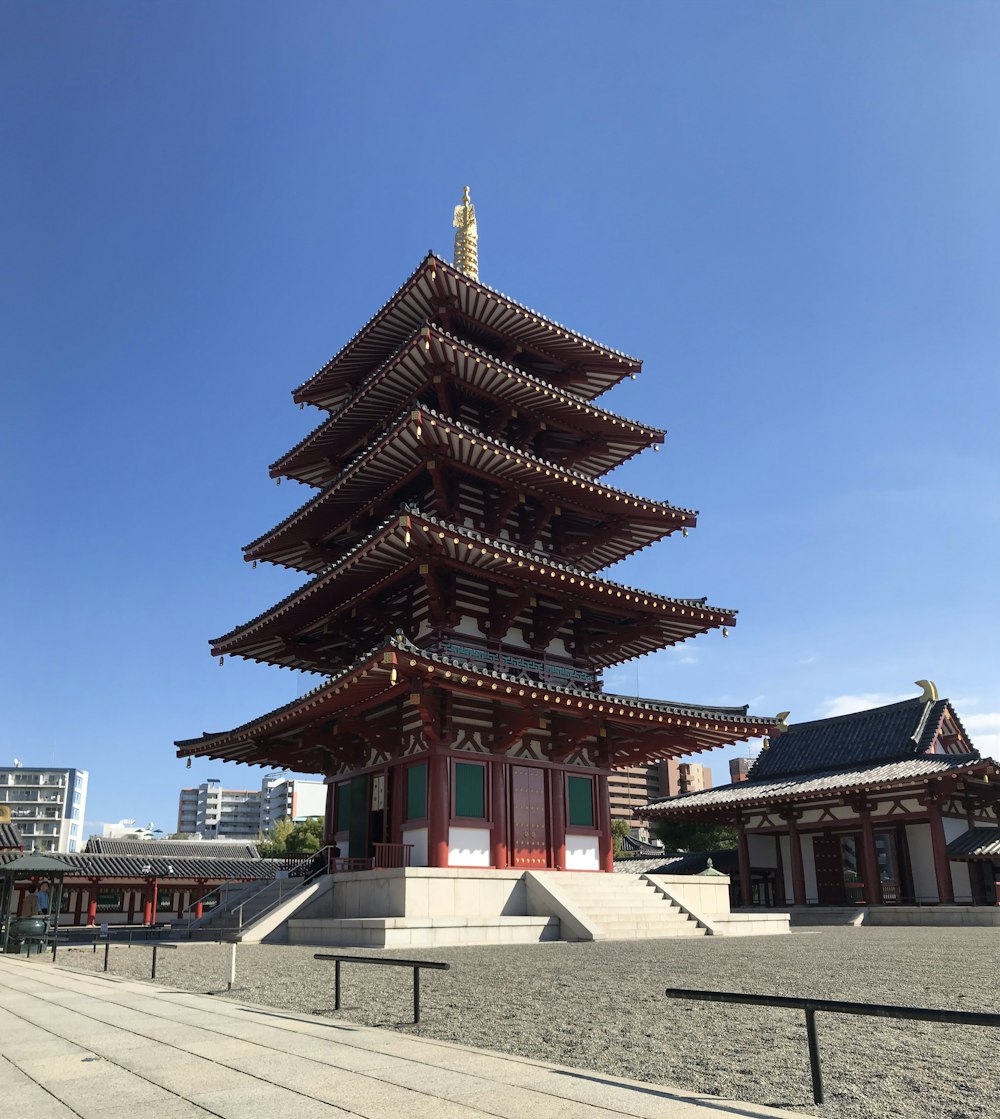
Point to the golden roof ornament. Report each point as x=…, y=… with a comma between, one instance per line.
x=930, y=693
x=467, y=238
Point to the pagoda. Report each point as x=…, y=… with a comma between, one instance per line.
x=455, y=616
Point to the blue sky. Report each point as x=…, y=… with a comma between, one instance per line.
x=788, y=210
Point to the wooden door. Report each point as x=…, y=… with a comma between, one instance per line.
x=527, y=816
x=358, y=826
x=829, y=870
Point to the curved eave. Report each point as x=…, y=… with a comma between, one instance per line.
x=647, y=729
x=436, y=283
x=429, y=353
x=821, y=786
x=422, y=435
x=391, y=554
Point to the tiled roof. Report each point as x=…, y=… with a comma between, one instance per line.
x=679, y=862
x=631, y=846
x=976, y=843
x=701, y=726
x=172, y=848
x=899, y=730
x=135, y=867
x=411, y=306
x=817, y=784
x=10, y=838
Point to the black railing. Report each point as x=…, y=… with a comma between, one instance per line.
x=415, y=964
x=831, y=1006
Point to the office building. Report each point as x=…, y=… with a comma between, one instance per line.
x=46, y=805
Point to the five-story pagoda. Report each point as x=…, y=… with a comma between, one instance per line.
x=454, y=613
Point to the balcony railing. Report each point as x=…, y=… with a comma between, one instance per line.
x=391, y=855
x=545, y=670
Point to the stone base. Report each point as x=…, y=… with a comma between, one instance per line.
x=421, y=932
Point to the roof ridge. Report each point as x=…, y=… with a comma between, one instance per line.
x=412, y=341
x=439, y=261
x=484, y=539
x=396, y=425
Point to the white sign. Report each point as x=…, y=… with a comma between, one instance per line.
x=104, y=928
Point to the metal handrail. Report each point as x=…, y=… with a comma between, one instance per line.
x=833, y=1006
x=415, y=964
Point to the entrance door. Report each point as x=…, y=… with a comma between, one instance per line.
x=527, y=816
x=358, y=837
x=829, y=870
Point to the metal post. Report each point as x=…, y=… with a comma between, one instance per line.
x=814, y=1065
x=416, y=994
x=232, y=965
x=152, y=974
x=336, y=985
x=107, y=950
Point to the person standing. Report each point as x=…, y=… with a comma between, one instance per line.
x=43, y=898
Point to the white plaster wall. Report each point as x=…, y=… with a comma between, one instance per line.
x=418, y=837
x=763, y=852
x=468, y=846
x=582, y=852
x=786, y=867
x=961, y=884
x=809, y=868
x=918, y=838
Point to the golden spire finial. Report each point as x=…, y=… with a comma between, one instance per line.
x=467, y=238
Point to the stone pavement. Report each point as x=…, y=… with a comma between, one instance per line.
x=100, y=1047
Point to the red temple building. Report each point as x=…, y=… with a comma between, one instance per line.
x=454, y=616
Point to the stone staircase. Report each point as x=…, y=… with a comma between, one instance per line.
x=243, y=908
x=625, y=907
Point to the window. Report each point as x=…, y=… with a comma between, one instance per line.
x=580, y=802
x=416, y=791
x=164, y=901
x=343, y=806
x=470, y=790
x=110, y=901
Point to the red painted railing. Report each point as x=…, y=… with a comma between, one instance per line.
x=390, y=855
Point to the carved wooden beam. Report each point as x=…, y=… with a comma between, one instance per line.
x=503, y=611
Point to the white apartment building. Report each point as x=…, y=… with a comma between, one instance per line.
x=282, y=798
x=217, y=813
x=47, y=805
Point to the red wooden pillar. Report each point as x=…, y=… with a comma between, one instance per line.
x=795, y=850
x=438, y=810
x=329, y=824
x=942, y=871
x=557, y=818
x=606, y=847
x=131, y=905
x=869, y=857
x=498, y=800
x=78, y=910
x=199, y=896
x=92, y=901
x=743, y=855
x=148, y=903
x=181, y=894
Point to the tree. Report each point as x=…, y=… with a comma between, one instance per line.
x=306, y=837
x=286, y=838
x=275, y=843
x=695, y=837
x=619, y=829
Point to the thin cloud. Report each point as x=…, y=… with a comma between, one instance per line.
x=848, y=704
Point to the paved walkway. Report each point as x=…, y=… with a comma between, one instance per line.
x=100, y=1047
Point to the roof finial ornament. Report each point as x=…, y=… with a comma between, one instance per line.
x=930, y=694
x=467, y=238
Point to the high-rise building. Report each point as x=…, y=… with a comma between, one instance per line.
x=216, y=813
x=739, y=769
x=47, y=805
x=286, y=798
x=628, y=787
x=453, y=614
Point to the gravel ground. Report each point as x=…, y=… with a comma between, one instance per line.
x=600, y=1007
